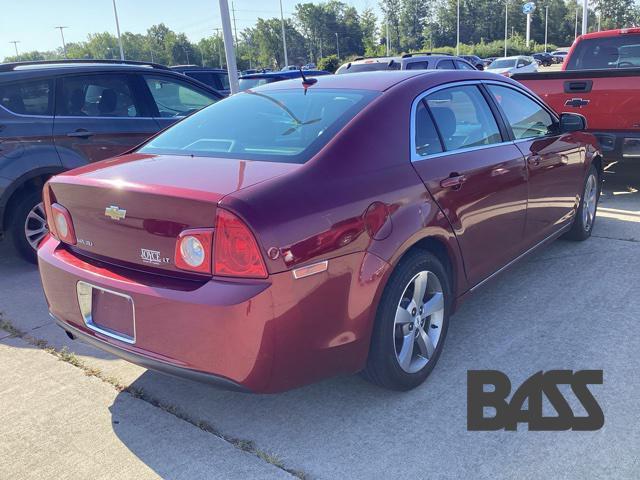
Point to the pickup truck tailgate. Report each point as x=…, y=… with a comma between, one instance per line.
x=609, y=99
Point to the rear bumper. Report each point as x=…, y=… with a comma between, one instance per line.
x=259, y=335
x=148, y=362
x=617, y=146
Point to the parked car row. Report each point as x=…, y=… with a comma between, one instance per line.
x=409, y=61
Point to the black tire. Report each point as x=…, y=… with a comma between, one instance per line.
x=383, y=367
x=581, y=229
x=21, y=210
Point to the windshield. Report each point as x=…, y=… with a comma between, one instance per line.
x=278, y=126
x=505, y=63
x=369, y=67
x=247, y=83
x=621, y=51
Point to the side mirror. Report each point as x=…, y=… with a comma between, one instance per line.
x=572, y=122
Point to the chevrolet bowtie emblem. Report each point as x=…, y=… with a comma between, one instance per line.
x=115, y=213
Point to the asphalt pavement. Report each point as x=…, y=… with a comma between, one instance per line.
x=570, y=306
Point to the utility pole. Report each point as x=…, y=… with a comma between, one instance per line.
x=15, y=45
x=64, y=45
x=546, y=24
x=284, y=37
x=232, y=68
x=575, y=34
x=235, y=30
x=218, y=45
x=337, y=45
x=388, y=46
x=506, y=23
x=115, y=12
x=458, y=31
x=585, y=16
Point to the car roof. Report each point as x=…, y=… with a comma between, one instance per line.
x=196, y=68
x=377, y=81
x=284, y=74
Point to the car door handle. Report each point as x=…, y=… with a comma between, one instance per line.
x=454, y=181
x=81, y=133
x=534, y=160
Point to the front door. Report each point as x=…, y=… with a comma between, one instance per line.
x=554, y=161
x=99, y=116
x=478, y=179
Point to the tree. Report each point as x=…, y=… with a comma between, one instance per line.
x=329, y=63
x=616, y=13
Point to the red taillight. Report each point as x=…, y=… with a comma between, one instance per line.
x=61, y=225
x=194, y=249
x=236, y=251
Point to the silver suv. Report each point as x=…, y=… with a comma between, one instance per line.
x=408, y=61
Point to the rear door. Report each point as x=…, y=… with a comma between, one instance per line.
x=99, y=116
x=554, y=161
x=173, y=98
x=477, y=177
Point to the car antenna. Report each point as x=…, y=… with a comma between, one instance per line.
x=307, y=82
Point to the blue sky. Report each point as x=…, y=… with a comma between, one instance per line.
x=32, y=22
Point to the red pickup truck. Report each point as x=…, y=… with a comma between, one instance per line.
x=600, y=79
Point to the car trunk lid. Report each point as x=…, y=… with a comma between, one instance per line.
x=130, y=210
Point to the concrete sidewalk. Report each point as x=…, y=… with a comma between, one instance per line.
x=57, y=422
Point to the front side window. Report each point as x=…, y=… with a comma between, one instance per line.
x=417, y=65
x=464, y=66
x=27, y=98
x=97, y=96
x=446, y=65
x=526, y=117
x=463, y=117
x=277, y=126
x=175, y=98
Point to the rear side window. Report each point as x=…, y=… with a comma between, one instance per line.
x=175, y=98
x=463, y=117
x=278, y=126
x=417, y=65
x=426, y=135
x=28, y=98
x=621, y=51
x=217, y=80
x=526, y=117
x=446, y=65
x=104, y=95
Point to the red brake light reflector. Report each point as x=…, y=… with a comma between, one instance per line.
x=61, y=225
x=236, y=251
x=193, y=250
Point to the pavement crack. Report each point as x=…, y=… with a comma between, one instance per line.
x=67, y=356
x=631, y=240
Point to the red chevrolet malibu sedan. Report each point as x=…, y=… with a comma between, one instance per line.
x=311, y=228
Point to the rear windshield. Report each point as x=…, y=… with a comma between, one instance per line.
x=622, y=51
x=277, y=126
x=502, y=64
x=369, y=67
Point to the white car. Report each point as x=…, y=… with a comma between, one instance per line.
x=508, y=66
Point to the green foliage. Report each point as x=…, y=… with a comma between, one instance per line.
x=329, y=63
x=515, y=46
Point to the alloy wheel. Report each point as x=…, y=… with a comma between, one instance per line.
x=589, y=202
x=418, y=321
x=35, y=225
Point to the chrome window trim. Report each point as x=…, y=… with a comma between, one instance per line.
x=85, y=302
x=415, y=157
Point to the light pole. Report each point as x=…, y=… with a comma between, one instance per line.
x=458, y=31
x=337, y=45
x=585, y=16
x=388, y=44
x=284, y=37
x=575, y=34
x=506, y=21
x=15, y=45
x=64, y=45
x=232, y=68
x=115, y=13
x=546, y=23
